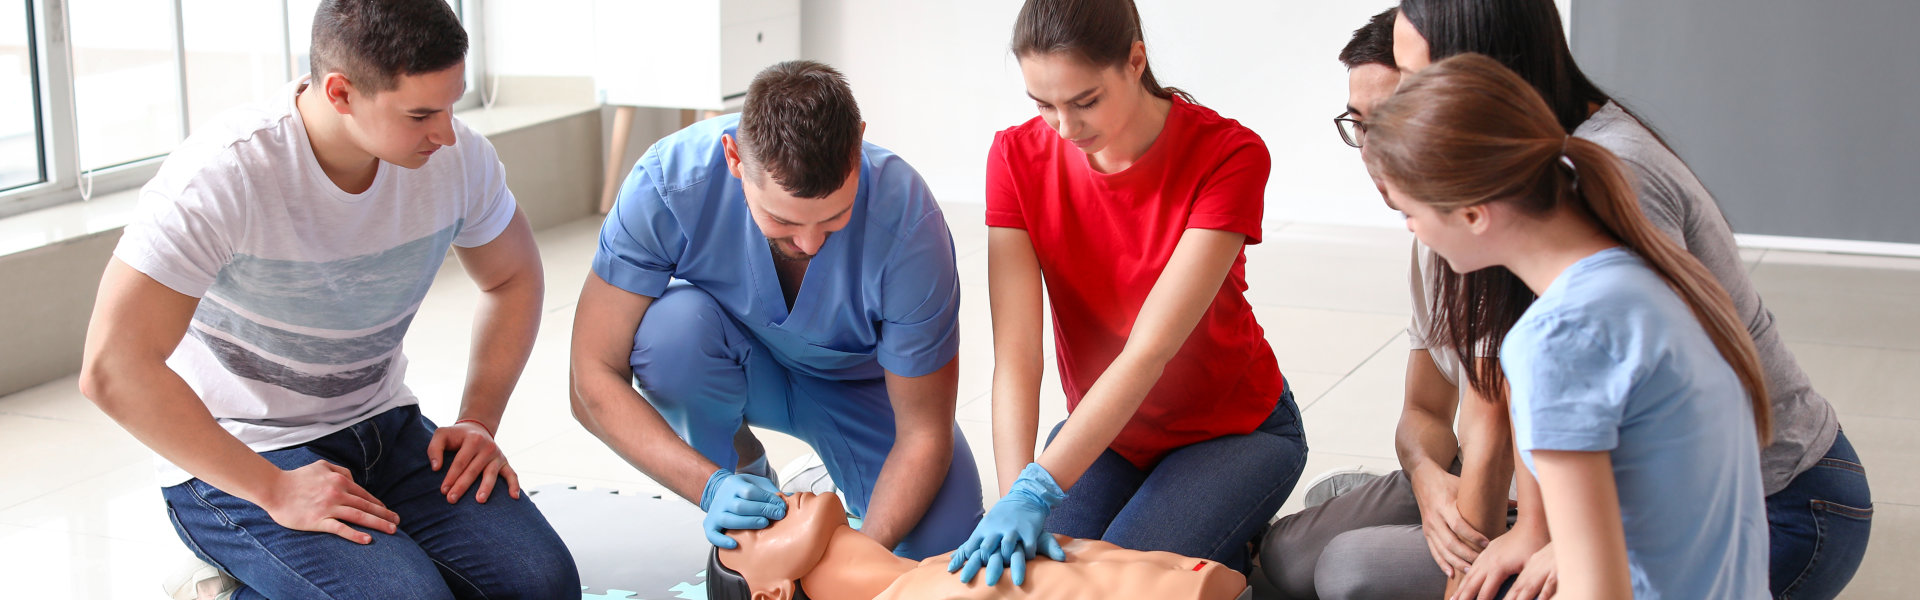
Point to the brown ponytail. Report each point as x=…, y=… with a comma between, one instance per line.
x=1468, y=131
x=1100, y=31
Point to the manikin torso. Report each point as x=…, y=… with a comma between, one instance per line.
x=814, y=549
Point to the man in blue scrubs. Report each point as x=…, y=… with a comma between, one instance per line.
x=772, y=269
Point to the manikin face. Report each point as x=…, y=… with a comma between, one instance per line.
x=795, y=227
x=404, y=125
x=1084, y=103
x=1410, y=49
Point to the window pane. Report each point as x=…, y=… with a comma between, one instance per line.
x=234, y=55
x=126, y=86
x=19, y=131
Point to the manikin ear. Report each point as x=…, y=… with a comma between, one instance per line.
x=338, y=91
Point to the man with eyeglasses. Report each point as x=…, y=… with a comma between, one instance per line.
x=1397, y=535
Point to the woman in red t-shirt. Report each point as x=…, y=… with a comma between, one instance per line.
x=1134, y=206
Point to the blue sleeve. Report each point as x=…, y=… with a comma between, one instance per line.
x=920, y=301
x=641, y=241
x=1569, y=392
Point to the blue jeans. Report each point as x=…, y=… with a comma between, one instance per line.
x=1209, y=499
x=1819, y=526
x=501, y=549
x=706, y=375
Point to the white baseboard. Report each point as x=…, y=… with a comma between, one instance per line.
x=1781, y=242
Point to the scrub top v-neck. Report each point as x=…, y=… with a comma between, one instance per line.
x=881, y=295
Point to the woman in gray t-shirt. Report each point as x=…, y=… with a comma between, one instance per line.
x=1817, y=493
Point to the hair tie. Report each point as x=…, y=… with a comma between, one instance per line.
x=1567, y=161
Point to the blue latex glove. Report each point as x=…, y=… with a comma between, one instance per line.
x=1013, y=532
x=739, y=501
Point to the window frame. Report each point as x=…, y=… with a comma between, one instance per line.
x=57, y=126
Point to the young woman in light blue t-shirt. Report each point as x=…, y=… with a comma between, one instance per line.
x=1638, y=399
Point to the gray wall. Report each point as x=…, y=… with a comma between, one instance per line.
x=1799, y=115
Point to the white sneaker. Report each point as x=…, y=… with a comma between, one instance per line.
x=1331, y=484
x=197, y=580
x=806, y=474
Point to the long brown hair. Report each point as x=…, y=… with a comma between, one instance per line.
x=1467, y=131
x=1100, y=31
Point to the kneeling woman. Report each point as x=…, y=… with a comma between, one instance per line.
x=1134, y=206
x=1638, y=398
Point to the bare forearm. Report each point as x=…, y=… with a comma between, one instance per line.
x=1424, y=439
x=504, y=328
x=615, y=412
x=1486, y=468
x=907, y=485
x=155, y=405
x=1105, y=410
x=1016, y=417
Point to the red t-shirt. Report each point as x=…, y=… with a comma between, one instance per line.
x=1102, y=240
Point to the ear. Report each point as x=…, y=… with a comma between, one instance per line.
x=863, y=130
x=1478, y=218
x=1137, y=59
x=338, y=91
x=733, y=156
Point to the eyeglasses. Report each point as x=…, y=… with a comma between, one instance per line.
x=1352, y=130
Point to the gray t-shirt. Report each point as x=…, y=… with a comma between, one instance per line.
x=1804, y=424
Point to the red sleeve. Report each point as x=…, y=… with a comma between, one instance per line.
x=1234, y=196
x=1003, y=197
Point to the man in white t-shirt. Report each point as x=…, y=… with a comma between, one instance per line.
x=249, y=330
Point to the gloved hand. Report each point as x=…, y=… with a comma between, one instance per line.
x=1013, y=532
x=739, y=501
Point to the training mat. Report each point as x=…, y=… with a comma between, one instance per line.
x=629, y=546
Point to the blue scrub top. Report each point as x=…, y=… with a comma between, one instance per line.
x=882, y=293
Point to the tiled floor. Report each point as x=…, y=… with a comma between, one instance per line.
x=80, y=516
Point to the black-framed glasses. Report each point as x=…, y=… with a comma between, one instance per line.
x=1352, y=131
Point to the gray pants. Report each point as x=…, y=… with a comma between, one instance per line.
x=1365, y=543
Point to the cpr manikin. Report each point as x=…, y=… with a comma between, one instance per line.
x=813, y=553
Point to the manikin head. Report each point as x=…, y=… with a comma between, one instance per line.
x=797, y=155
x=392, y=69
x=1085, y=66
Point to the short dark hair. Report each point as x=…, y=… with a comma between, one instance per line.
x=800, y=126
x=374, y=42
x=1372, y=44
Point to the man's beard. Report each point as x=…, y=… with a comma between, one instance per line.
x=780, y=252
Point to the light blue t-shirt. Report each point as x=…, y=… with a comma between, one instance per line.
x=1610, y=359
x=882, y=293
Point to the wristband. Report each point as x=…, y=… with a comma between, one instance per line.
x=483, y=426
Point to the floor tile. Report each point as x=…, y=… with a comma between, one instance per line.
x=124, y=503
x=1325, y=341
x=1863, y=381
x=1364, y=283
x=1891, y=453
x=1309, y=386
x=59, y=400
x=48, y=564
x=1887, y=572
x=1358, y=416
x=47, y=455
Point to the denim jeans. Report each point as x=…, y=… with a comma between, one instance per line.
x=501, y=549
x=1819, y=526
x=1208, y=500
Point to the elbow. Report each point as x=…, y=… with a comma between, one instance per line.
x=98, y=380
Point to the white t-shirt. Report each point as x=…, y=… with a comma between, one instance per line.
x=305, y=291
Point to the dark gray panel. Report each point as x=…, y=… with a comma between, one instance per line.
x=1798, y=115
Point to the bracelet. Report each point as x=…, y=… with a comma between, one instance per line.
x=483, y=426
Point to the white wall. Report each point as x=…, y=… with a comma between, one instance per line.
x=935, y=81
